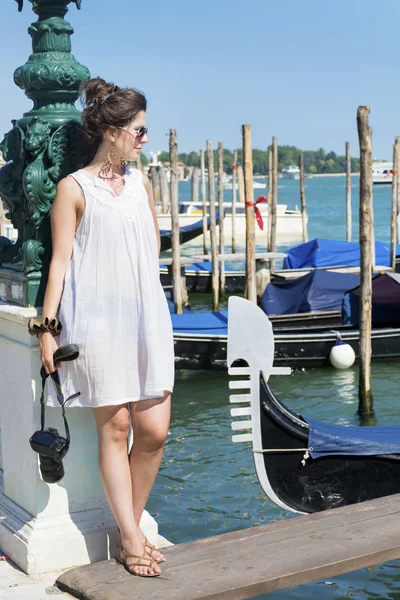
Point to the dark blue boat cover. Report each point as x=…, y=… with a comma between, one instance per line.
x=332, y=253
x=198, y=323
x=327, y=440
x=316, y=291
x=385, y=302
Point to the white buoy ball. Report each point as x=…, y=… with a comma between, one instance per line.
x=342, y=355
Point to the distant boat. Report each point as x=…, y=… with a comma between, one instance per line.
x=257, y=185
x=288, y=221
x=291, y=172
x=382, y=172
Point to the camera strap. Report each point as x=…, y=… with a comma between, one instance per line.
x=60, y=397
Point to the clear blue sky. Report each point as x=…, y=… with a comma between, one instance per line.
x=297, y=70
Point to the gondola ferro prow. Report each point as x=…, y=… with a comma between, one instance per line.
x=250, y=338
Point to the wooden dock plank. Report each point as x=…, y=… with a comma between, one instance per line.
x=259, y=560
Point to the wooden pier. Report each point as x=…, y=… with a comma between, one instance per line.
x=254, y=561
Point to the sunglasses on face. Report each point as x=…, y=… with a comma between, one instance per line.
x=139, y=131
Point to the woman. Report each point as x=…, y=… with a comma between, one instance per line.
x=104, y=288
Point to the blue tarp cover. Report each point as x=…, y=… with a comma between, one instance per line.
x=206, y=323
x=385, y=302
x=316, y=291
x=326, y=439
x=200, y=266
x=332, y=253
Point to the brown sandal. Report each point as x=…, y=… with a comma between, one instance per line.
x=140, y=562
x=150, y=547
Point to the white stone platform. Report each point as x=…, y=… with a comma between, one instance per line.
x=46, y=528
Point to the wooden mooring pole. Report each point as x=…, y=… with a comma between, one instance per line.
x=176, y=247
x=156, y=184
x=397, y=167
x=303, y=198
x=213, y=233
x=270, y=194
x=274, y=201
x=395, y=183
x=234, y=171
x=365, y=406
x=221, y=216
x=195, y=185
x=240, y=184
x=349, y=223
x=251, y=291
x=165, y=200
x=203, y=199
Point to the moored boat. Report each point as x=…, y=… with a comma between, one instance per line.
x=289, y=222
x=186, y=234
x=302, y=465
x=382, y=172
x=302, y=339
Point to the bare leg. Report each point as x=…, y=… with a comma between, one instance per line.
x=150, y=421
x=113, y=429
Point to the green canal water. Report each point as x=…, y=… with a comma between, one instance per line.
x=207, y=485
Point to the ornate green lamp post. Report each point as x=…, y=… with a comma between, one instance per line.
x=40, y=149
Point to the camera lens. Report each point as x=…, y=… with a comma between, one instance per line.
x=50, y=470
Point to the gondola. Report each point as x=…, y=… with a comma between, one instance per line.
x=303, y=465
x=187, y=233
x=302, y=339
x=200, y=342
x=198, y=278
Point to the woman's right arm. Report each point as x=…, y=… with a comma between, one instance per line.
x=64, y=213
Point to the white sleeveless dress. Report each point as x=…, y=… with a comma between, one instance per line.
x=113, y=305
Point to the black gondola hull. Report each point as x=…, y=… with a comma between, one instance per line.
x=322, y=483
x=297, y=349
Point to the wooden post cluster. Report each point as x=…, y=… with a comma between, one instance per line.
x=234, y=171
x=251, y=291
x=274, y=201
x=176, y=247
x=303, y=199
x=213, y=233
x=349, y=223
x=221, y=215
x=365, y=406
x=395, y=183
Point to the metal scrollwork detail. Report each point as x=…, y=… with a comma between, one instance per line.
x=38, y=187
x=32, y=253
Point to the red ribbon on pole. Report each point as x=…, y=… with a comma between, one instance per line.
x=261, y=199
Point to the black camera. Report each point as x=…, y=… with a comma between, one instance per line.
x=51, y=447
x=47, y=442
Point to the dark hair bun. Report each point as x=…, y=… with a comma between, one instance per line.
x=93, y=91
x=105, y=106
